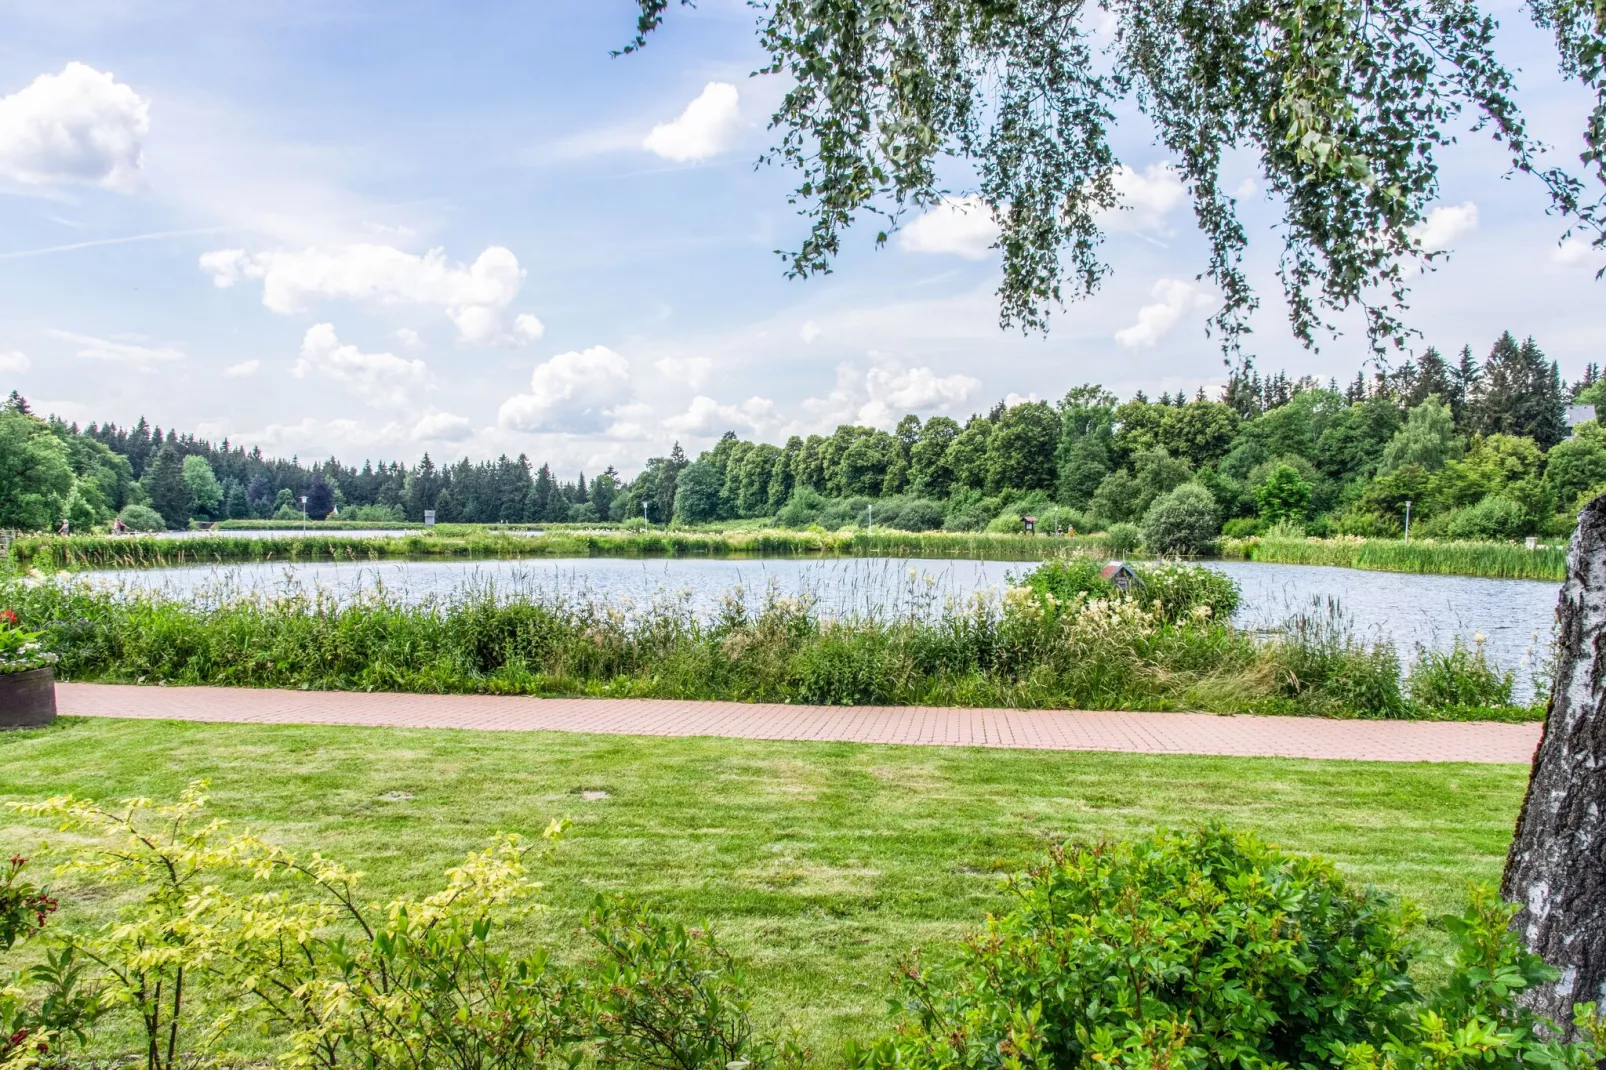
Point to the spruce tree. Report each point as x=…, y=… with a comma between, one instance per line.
x=1521, y=394
x=169, y=492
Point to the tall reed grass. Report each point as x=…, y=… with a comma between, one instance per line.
x=1055, y=643
x=1495, y=560
x=94, y=551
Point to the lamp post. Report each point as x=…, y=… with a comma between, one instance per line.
x=644, y=521
x=1407, y=520
x=869, y=521
x=303, y=514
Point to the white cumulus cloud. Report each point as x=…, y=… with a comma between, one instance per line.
x=575, y=391
x=880, y=395
x=473, y=296
x=960, y=226
x=80, y=126
x=14, y=361
x=443, y=427
x=1146, y=197
x=710, y=124
x=380, y=379
x=692, y=371
x=1174, y=299
x=242, y=370
x=528, y=328
x=1445, y=224
x=705, y=416
x=139, y=356
x=809, y=332
x=1577, y=251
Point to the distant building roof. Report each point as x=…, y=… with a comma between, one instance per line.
x=1578, y=414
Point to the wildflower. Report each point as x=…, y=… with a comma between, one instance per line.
x=1479, y=638
x=9, y=616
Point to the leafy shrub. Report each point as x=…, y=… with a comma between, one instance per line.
x=1175, y=590
x=583, y=513
x=1495, y=517
x=908, y=514
x=1208, y=951
x=142, y=518
x=1121, y=540
x=1458, y=679
x=1202, y=949
x=417, y=982
x=1243, y=527
x=383, y=514
x=1182, y=521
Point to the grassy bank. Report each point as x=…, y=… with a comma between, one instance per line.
x=91, y=551
x=1068, y=641
x=818, y=864
x=1495, y=560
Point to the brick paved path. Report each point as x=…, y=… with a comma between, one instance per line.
x=1141, y=733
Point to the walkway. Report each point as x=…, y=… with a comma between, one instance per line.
x=1139, y=733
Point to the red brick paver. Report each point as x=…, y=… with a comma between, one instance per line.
x=1140, y=733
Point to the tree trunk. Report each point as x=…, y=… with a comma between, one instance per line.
x=1556, y=871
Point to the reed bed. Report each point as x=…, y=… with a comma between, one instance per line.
x=1065, y=639
x=1494, y=560
x=100, y=551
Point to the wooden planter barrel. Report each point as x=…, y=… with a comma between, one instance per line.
x=27, y=699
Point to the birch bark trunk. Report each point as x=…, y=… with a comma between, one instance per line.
x=1556, y=870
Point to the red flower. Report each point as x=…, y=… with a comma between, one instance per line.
x=9, y=616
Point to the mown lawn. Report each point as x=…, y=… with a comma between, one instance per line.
x=819, y=864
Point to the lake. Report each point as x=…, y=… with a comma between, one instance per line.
x=1402, y=608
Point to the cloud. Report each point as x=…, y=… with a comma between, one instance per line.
x=81, y=126
x=443, y=427
x=380, y=379
x=705, y=416
x=880, y=395
x=1445, y=224
x=242, y=370
x=14, y=361
x=1146, y=197
x=1575, y=252
x=576, y=391
x=693, y=371
x=709, y=125
x=527, y=328
x=407, y=337
x=809, y=332
x=142, y=357
x=1176, y=297
x=473, y=296
x=961, y=226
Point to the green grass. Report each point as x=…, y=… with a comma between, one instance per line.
x=1495, y=560
x=819, y=864
x=104, y=551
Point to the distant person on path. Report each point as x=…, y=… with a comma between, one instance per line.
x=118, y=527
x=65, y=529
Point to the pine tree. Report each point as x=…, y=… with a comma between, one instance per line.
x=1468, y=378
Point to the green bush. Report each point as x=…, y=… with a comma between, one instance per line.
x=1199, y=949
x=142, y=518
x=1320, y=661
x=1495, y=517
x=1243, y=527
x=1121, y=540
x=1458, y=679
x=1182, y=521
x=1209, y=951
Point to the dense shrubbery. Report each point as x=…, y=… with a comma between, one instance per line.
x=1190, y=951
x=1062, y=639
x=1210, y=950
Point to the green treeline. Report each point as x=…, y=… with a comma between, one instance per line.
x=1480, y=450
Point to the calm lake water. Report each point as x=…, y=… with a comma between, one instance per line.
x=1400, y=608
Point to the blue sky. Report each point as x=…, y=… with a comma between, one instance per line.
x=375, y=229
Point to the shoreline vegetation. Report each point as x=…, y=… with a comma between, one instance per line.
x=1065, y=638
x=347, y=541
